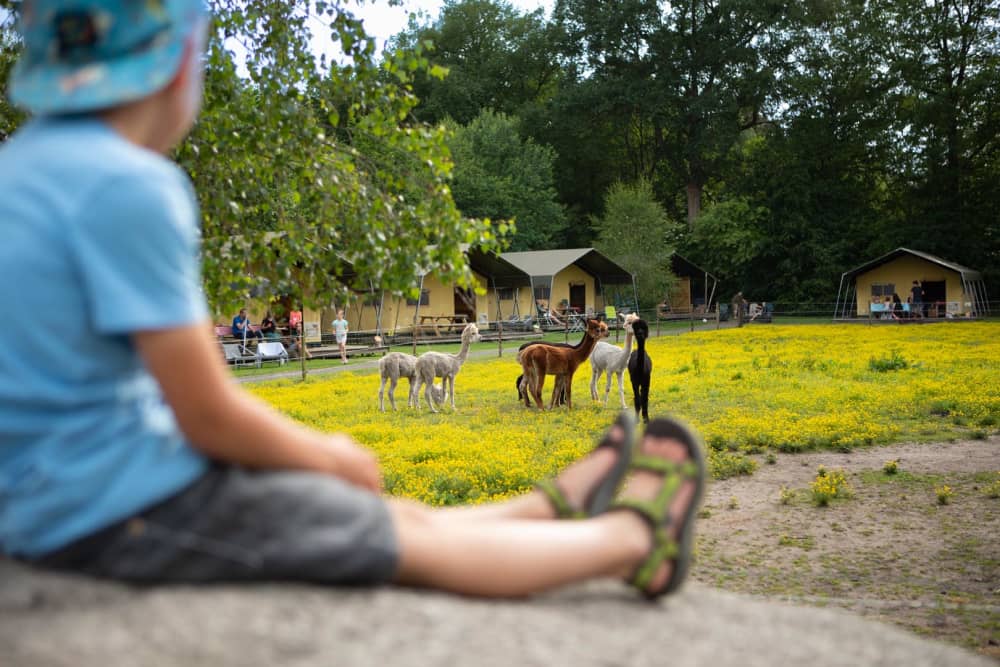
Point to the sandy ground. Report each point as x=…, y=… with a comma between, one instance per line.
x=889, y=552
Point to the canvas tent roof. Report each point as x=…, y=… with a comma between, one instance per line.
x=501, y=272
x=966, y=272
x=681, y=266
x=550, y=262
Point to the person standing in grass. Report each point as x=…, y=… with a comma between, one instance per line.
x=340, y=333
x=129, y=453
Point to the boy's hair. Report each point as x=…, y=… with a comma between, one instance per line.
x=88, y=55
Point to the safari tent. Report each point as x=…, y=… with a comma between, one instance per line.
x=950, y=289
x=694, y=290
x=582, y=279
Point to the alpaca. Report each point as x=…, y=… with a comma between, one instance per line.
x=613, y=360
x=392, y=367
x=432, y=365
x=640, y=367
x=538, y=360
x=522, y=389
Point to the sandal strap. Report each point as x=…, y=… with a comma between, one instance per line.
x=558, y=499
x=656, y=512
x=688, y=469
x=664, y=549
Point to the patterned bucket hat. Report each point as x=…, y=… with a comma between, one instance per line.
x=83, y=55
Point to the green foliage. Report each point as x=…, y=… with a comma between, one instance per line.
x=891, y=467
x=499, y=175
x=892, y=361
x=724, y=464
x=829, y=485
x=496, y=58
x=636, y=232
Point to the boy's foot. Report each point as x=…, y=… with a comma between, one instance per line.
x=587, y=487
x=664, y=489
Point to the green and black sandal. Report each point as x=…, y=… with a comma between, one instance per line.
x=599, y=498
x=656, y=511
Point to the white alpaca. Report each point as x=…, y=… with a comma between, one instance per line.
x=613, y=360
x=396, y=365
x=392, y=367
x=432, y=365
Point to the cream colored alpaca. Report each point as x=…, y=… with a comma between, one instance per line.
x=613, y=360
x=432, y=365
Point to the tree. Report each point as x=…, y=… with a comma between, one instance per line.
x=288, y=198
x=498, y=175
x=688, y=77
x=948, y=123
x=496, y=59
x=636, y=232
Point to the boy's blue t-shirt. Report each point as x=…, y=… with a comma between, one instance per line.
x=98, y=239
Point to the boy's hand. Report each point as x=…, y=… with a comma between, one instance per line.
x=352, y=462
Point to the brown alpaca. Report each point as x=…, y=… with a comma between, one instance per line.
x=539, y=360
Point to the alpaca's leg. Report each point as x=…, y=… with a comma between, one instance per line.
x=568, y=384
x=538, y=382
x=428, y=383
x=645, y=399
x=621, y=387
x=636, y=395
x=595, y=375
x=393, y=381
x=451, y=390
x=381, y=387
x=607, y=387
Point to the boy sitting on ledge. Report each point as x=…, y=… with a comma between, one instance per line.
x=129, y=453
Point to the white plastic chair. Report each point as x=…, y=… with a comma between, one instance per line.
x=271, y=351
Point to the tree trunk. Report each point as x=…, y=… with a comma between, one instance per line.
x=694, y=203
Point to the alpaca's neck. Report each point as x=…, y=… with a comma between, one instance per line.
x=640, y=345
x=464, y=351
x=627, y=348
x=582, y=351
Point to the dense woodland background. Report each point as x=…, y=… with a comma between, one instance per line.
x=776, y=144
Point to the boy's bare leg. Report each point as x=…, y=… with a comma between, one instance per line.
x=576, y=481
x=509, y=557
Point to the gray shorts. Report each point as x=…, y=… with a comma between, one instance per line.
x=238, y=525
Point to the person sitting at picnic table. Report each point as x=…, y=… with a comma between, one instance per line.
x=296, y=344
x=242, y=328
x=269, y=327
x=897, y=307
x=755, y=310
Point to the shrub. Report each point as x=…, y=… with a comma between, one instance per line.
x=723, y=465
x=893, y=361
x=891, y=467
x=828, y=486
x=944, y=494
x=786, y=495
x=992, y=490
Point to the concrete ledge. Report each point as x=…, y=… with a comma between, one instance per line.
x=52, y=620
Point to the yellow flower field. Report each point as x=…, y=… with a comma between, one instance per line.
x=783, y=388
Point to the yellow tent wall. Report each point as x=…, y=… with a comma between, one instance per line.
x=901, y=272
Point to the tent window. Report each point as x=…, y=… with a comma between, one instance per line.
x=505, y=293
x=883, y=289
x=425, y=298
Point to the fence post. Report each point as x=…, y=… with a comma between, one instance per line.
x=499, y=338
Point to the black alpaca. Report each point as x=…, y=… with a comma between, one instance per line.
x=640, y=367
x=522, y=394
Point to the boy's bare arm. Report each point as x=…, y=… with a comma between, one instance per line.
x=229, y=425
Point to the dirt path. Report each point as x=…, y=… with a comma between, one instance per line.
x=889, y=552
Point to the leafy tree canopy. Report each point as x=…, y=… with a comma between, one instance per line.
x=499, y=175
